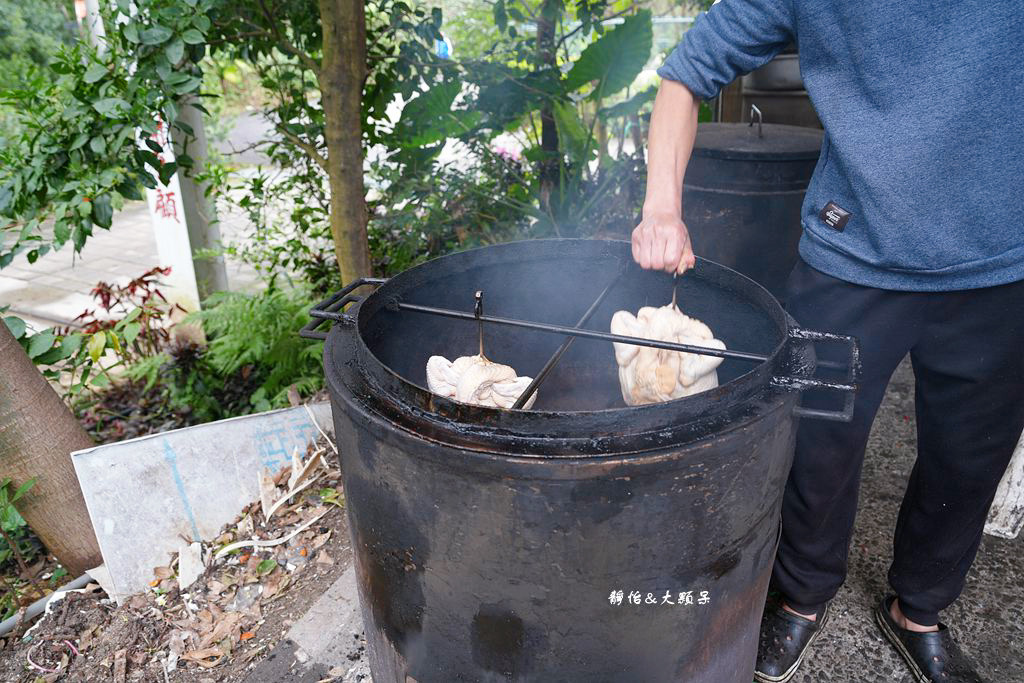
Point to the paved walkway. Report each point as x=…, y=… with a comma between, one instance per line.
x=55, y=289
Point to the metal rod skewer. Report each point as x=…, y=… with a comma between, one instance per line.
x=478, y=312
x=542, y=375
x=577, y=332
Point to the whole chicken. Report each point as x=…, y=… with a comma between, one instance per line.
x=649, y=375
x=476, y=380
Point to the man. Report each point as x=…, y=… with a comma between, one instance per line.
x=914, y=243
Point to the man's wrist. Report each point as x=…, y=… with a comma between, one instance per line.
x=662, y=208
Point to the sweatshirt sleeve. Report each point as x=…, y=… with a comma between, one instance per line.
x=733, y=38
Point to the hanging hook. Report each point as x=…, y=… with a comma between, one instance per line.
x=754, y=110
x=478, y=311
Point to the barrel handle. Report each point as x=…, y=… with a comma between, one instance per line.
x=331, y=307
x=849, y=387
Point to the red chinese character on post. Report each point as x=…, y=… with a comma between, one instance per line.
x=160, y=136
x=166, y=206
x=161, y=133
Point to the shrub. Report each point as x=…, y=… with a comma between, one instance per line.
x=253, y=357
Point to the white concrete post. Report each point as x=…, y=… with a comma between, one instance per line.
x=171, y=232
x=199, y=210
x=1006, y=516
x=183, y=221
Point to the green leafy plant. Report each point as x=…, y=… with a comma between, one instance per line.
x=289, y=242
x=332, y=496
x=31, y=33
x=186, y=384
x=77, y=156
x=11, y=522
x=419, y=217
x=575, y=118
x=289, y=207
x=132, y=325
x=252, y=358
x=18, y=547
x=259, y=331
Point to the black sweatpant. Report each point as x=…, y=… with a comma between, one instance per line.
x=967, y=349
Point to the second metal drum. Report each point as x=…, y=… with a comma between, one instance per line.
x=742, y=196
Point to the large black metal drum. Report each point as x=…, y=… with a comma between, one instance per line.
x=580, y=540
x=742, y=194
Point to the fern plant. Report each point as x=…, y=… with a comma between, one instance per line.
x=261, y=332
x=253, y=356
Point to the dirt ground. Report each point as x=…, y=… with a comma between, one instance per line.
x=219, y=627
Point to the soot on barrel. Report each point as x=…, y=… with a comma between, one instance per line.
x=557, y=290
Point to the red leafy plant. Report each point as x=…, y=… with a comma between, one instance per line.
x=147, y=333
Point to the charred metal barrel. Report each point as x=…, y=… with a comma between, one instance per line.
x=742, y=194
x=579, y=540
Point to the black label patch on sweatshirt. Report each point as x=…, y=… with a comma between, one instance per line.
x=834, y=216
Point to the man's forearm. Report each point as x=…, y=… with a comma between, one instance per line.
x=669, y=144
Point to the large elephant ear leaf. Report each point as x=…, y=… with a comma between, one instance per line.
x=615, y=59
x=571, y=132
x=630, y=106
x=430, y=117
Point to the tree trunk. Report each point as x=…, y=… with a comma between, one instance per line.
x=37, y=435
x=546, y=58
x=341, y=78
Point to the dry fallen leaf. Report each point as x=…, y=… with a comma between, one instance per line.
x=120, y=666
x=245, y=527
x=247, y=657
x=176, y=642
x=323, y=558
x=202, y=656
x=275, y=583
x=268, y=491
x=282, y=476
x=247, y=635
x=85, y=638
x=320, y=540
x=163, y=572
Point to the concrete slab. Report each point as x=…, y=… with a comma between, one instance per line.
x=1006, y=517
x=327, y=642
x=145, y=495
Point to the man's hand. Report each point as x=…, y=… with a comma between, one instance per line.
x=661, y=242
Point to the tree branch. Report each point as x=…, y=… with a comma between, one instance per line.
x=305, y=146
x=568, y=35
x=288, y=46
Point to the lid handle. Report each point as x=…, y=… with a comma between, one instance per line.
x=760, y=119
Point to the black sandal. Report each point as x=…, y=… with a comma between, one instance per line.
x=932, y=657
x=785, y=638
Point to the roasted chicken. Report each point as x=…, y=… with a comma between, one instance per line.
x=476, y=380
x=649, y=375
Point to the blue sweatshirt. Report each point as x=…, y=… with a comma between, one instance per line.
x=923, y=109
